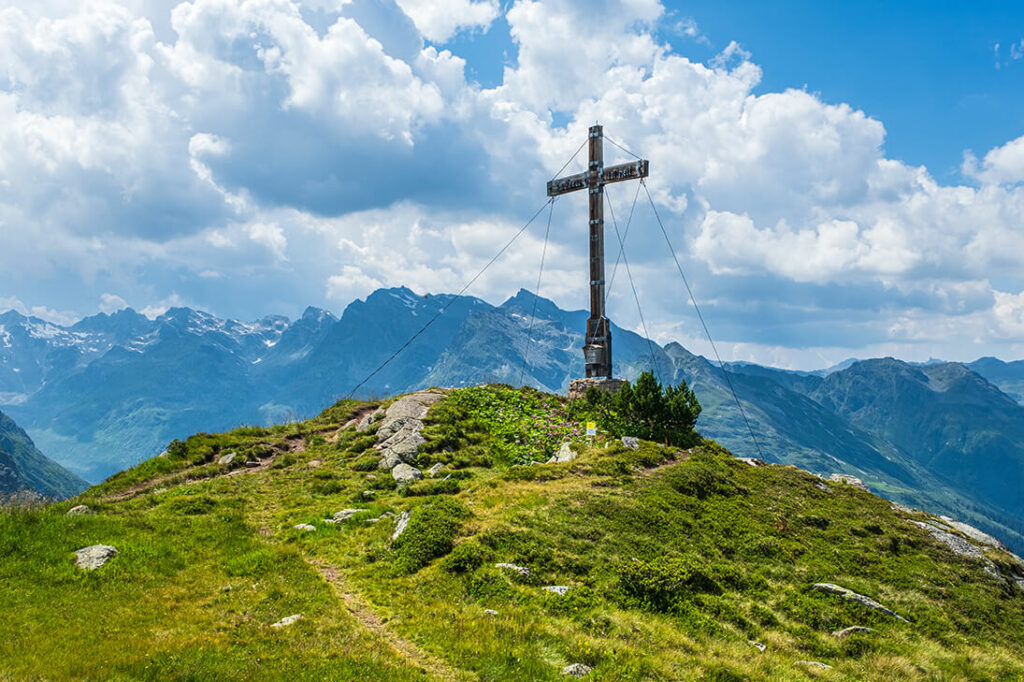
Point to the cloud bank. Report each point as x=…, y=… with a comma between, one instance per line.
x=257, y=156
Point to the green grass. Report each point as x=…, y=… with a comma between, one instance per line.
x=676, y=560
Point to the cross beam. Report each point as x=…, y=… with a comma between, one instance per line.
x=597, y=348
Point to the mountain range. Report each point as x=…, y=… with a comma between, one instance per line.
x=112, y=390
x=24, y=468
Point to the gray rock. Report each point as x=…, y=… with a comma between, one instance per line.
x=284, y=622
x=576, y=670
x=564, y=454
x=369, y=494
x=345, y=514
x=850, y=595
x=227, y=458
x=405, y=474
x=412, y=406
x=434, y=470
x=385, y=515
x=560, y=590
x=630, y=442
x=955, y=543
x=304, y=527
x=490, y=612
x=92, y=557
x=753, y=461
x=253, y=464
x=980, y=537
x=404, y=445
x=519, y=570
x=849, y=480
x=846, y=632
x=757, y=645
x=78, y=510
x=400, y=525
x=368, y=420
x=896, y=506
x=815, y=664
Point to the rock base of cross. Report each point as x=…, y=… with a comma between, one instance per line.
x=578, y=387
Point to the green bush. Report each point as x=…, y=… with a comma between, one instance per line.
x=465, y=558
x=661, y=584
x=430, y=534
x=702, y=480
x=646, y=410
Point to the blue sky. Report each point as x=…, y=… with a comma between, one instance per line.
x=840, y=178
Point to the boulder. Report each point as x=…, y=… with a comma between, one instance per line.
x=306, y=527
x=850, y=595
x=343, y=515
x=576, y=670
x=400, y=525
x=78, y=510
x=405, y=474
x=521, y=571
x=846, y=632
x=630, y=443
x=92, y=557
x=227, y=458
x=286, y=621
x=564, y=454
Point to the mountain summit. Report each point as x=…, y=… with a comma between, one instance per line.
x=505, y=545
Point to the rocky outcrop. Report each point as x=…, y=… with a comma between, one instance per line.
x=850, y=595
x=92, y=557
x=399, y=436
x=849, y=480
x=564, y=454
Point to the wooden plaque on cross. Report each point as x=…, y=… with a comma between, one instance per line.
x=597, y=345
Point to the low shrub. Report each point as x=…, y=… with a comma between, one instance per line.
x=431, y=533
x=465, y=558
x=661, y=584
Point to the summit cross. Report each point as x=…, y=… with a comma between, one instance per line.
x=597, y=348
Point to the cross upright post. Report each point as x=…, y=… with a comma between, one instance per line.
x=597, y=348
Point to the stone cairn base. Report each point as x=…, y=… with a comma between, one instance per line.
x=578, y=387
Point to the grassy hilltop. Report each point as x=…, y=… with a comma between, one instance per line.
x=681, y=563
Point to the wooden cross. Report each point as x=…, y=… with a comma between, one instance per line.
x=597, y=348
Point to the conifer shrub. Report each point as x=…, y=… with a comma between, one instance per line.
x=645, y=410
x=430, y=534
